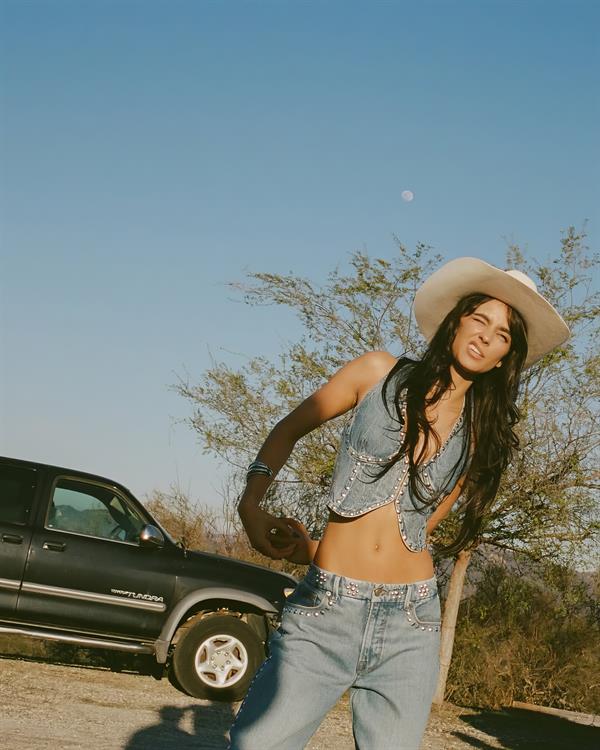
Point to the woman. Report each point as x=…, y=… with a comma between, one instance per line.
x=366, y=616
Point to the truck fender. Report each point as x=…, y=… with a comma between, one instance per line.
x=235, y=595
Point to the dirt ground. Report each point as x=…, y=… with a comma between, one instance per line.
x=50, y=705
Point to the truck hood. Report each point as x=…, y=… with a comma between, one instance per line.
x=219, y=570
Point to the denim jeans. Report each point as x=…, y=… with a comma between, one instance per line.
x=380, y=640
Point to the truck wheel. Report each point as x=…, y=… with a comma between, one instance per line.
x=216, y=658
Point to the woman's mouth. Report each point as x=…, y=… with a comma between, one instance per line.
x=474, y=351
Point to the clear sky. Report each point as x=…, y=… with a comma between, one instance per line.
x=151, y=152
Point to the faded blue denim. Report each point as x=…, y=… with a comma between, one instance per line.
x=369, y=439
x=380, y=640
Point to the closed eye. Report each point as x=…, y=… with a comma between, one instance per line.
x=482, y=319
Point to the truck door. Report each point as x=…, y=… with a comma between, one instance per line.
x=17, y=490
x=86, y=570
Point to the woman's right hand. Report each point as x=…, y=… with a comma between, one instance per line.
x=258, y=525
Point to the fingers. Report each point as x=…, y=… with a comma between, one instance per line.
x=287, y=535
x=282, y=553
x=283, y=532
x=279, y=542
x=274, y=537
x=283, y=523
x=276, y=553
x=297, y=525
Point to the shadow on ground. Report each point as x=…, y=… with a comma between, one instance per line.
x=209, y=727
x=519, y=729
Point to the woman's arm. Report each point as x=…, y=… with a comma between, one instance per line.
x=341, y=393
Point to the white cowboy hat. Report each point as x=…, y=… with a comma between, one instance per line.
x=441, y=291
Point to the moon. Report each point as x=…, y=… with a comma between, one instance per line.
x=407, y=195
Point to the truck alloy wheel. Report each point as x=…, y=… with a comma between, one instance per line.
x=217, y=657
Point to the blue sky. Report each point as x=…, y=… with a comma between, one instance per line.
x=154, y=151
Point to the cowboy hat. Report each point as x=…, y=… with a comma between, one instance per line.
x=442, y=290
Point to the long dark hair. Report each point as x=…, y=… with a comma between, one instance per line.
x=490, y=413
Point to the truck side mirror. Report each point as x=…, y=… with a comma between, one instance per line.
x=150, y=536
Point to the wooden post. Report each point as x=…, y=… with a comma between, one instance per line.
x=450, y=615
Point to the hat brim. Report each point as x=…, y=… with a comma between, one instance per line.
x=445, y=287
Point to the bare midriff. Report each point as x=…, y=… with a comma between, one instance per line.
x=369, y=547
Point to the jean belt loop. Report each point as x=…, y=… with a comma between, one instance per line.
x=337, y=584
x=407, y=596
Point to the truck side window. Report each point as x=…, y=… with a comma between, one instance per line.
x=93, y=510
x=17, y=488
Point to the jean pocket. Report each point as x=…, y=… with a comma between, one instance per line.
x=306, y=599
x=425, y=614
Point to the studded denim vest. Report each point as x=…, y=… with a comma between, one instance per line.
x=367, y=442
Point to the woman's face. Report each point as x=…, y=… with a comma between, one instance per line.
x=483, y=337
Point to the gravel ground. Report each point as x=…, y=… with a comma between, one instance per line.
x=49, y=705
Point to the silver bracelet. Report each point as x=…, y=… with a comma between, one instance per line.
x=258, y=467
x=257, y=471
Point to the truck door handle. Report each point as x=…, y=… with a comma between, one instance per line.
x=12, y=538
x=54, y=546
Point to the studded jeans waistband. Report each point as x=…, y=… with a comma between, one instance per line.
x=359, y=589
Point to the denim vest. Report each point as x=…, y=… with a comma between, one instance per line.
x=368, y=440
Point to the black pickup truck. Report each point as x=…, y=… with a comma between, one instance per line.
x=83, y=562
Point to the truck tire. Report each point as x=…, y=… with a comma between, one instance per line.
x=216, y=658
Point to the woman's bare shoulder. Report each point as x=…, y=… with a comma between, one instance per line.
x=373, y=367
x=339, y=394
